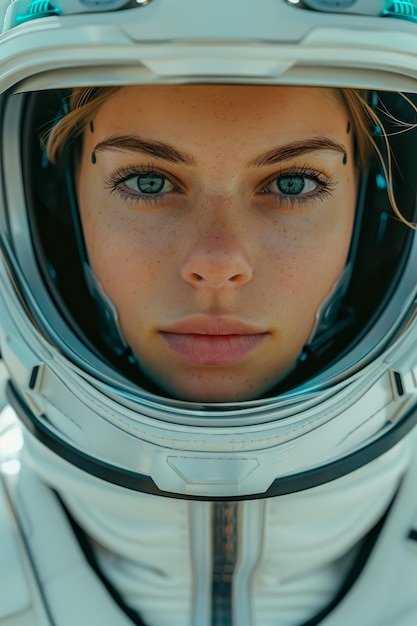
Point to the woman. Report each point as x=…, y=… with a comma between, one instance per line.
x=209, y=330
x=229, y=225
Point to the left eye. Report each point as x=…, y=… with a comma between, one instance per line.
x=148, y=183
x=291, y=185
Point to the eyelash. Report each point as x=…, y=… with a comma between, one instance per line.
x=115, y=180
x=326, y=185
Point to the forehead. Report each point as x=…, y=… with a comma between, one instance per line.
x=218, y=114
x=239, y=101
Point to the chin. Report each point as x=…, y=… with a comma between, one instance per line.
x=217, y=386
x=217, y=392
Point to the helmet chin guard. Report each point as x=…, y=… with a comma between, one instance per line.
x=353, y=397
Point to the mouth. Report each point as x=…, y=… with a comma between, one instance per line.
x=203, y=341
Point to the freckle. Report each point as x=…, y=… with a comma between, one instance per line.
x=348, y=128
x=93, y=158
x=92, y=126
x=344, y=158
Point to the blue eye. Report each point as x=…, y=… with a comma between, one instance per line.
x=298, y=186
x=148, y=183
x=137, y=184
x=293, y=185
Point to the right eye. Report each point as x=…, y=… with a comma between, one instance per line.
x=140, y=184
x=149, y=183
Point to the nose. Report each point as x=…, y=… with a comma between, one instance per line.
x=217, y=261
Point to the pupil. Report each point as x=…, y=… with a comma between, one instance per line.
x=291, y=184
x=150, y=183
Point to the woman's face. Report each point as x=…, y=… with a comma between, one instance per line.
x=217, y=219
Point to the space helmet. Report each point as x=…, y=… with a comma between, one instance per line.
x=73, y=381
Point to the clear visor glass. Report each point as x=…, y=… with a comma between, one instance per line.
x=216, y=230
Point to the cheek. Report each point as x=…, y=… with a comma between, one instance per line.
x=122, y=256
x=130, y=257
x=305, y=264
x=104, y=238
x=310, y=254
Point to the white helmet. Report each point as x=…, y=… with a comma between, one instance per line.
x=354, y=394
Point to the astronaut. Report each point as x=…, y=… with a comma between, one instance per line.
x=208, y=313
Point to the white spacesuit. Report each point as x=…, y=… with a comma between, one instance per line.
x=125, y=506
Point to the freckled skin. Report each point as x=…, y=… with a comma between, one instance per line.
x=217, y=246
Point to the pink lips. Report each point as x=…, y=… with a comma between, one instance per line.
x=206, y=341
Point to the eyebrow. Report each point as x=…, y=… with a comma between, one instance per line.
x=296, y=149
x=161, y=150
x=158, y=149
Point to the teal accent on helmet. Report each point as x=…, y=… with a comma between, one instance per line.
x=403, y=9
x=37, y=8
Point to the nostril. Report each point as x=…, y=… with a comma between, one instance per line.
x=217, y=261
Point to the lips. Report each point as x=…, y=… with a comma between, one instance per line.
x=219, y=341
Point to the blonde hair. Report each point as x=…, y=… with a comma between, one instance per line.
x=366, y=122
x=84, y=102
